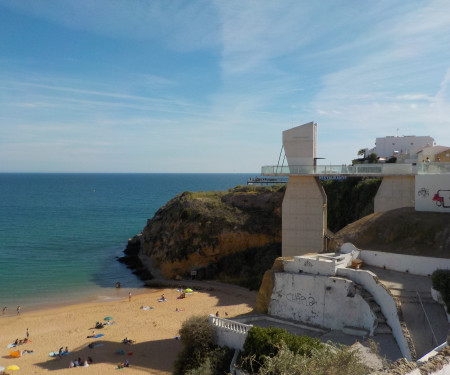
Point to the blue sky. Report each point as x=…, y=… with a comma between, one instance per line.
x=209, y=86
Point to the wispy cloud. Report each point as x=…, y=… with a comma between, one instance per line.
x=178, y=24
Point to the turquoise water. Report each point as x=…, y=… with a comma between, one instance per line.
x=60, y=234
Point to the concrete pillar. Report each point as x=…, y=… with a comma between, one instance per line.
x=395, y=192
x=304, y=216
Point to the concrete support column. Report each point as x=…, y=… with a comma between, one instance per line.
x=304, y=220
x=395, y=192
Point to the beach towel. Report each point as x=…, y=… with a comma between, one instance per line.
x=99, y=335
x=147, y=307
x=15, y=354
x=56, y=354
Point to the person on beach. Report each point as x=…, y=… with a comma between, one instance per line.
x=28, y=334
x=4, y=310
x=129, y=296
x=18, y=310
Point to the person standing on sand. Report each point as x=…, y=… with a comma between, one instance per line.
x=129, y=296
x=18, y=310
x=28, y=333
x=4, y=310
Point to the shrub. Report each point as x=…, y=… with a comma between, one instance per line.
x=197, y=337
x=263, y=343
x=328, y=360
x=441, y=282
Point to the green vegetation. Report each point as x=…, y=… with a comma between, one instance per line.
x=267, y=351
x=349, y=200
x=328, y=360
x=441, y=282
x=200, y=356
x=263, y=343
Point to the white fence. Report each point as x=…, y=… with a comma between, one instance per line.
x=229, y=333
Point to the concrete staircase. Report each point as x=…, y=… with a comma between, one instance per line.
x=381, y=325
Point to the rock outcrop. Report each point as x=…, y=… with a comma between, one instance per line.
x=194, y=230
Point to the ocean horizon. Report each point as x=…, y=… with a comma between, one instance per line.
x=61, y=233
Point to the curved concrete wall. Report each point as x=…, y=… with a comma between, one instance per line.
x=387, y=304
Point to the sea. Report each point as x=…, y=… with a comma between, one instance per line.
x=61, y=234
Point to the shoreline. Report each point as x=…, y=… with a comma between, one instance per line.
x=83, y=298
x=154, y=329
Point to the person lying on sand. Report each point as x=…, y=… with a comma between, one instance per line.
x=128, y=341
x=91, y=335
x=123, y=364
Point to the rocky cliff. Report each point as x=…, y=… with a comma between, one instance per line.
x=194, y=230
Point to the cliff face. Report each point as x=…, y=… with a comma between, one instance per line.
x=196, y=229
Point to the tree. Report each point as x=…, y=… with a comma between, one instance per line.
x=362, y=152
x=372, y=158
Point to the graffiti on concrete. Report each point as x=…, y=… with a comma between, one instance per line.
x=423, y=192
x=300, y=299
x=442, y=198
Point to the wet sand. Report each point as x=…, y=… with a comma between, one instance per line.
x=154, y=330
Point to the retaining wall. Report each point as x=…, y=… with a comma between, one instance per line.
x=416, y=265
x=329, y=302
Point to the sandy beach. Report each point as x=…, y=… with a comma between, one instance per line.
x=154, y=330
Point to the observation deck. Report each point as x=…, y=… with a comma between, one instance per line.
x=357, y=170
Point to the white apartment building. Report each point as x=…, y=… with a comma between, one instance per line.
x=395, y=145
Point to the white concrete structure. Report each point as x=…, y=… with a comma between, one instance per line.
x=320, y=289
x=432, y=192
x=408, y=144
x=300, y=144
x=320, y=264
x=304, y=208
x=324, y=301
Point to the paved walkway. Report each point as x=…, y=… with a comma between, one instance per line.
x=426, y=320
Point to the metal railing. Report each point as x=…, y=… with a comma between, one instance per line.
x=385, y=169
